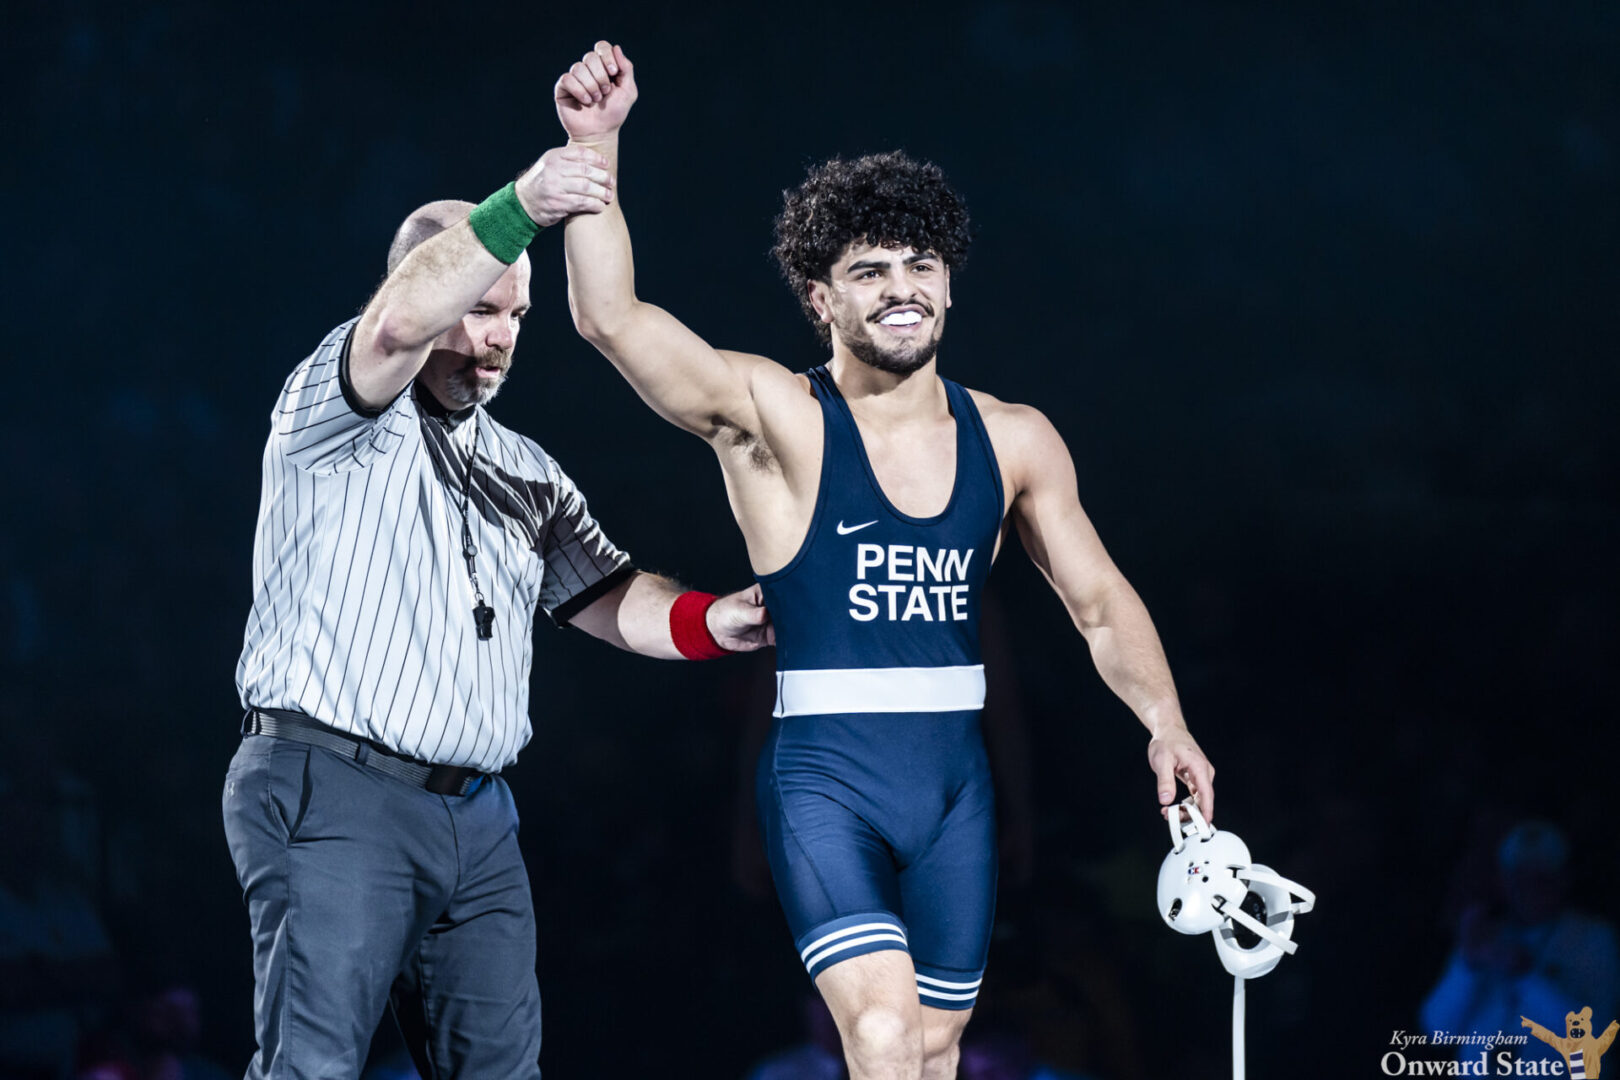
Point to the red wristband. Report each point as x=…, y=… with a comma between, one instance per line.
x=689, y=627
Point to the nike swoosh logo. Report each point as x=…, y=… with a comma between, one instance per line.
x=844, y=530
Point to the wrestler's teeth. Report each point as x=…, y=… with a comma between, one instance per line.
x=901, y=318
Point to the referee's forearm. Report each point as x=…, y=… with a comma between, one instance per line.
x=438, y=283
x=644, y=616
x=634, y=616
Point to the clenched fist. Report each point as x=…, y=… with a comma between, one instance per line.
x=594, y=96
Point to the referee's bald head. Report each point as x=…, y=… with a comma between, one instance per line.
x=423, y=223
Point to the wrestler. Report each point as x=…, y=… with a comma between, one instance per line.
x=873, y=495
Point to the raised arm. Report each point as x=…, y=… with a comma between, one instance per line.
x=445, y=276
x=1106, y=610
x=683, y=378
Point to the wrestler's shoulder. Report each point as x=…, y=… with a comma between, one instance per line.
x=768, y=376
x=1010, y=417
x=1024, y=439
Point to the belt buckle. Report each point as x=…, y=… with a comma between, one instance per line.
x=448, y=779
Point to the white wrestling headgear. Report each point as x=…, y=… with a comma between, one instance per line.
x=1209, y=884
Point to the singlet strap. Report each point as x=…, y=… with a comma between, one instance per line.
x=969, y=422
x=836, y=415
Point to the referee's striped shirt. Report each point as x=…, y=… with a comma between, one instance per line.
x=362, y=610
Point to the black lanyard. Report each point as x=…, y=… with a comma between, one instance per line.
x=483, y=614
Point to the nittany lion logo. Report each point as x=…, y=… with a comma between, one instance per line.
x=1582, y=1053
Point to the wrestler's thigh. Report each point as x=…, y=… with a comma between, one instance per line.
x=948, y=895
x=827, y=860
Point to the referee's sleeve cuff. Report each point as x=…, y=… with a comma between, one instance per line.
x=564, y=612
x=350, y=398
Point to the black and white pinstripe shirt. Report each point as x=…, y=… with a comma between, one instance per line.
x=362, y=610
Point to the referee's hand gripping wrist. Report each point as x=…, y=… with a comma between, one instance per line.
x=739, y=621
x=567, y=180
x=706, y=627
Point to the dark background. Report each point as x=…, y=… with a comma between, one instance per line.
x=1319, y=295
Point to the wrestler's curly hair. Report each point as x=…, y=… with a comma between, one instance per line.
x=887, y=200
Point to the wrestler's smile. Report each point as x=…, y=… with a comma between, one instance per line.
x=904, y=319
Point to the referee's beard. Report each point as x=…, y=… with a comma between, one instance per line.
x=463, y=382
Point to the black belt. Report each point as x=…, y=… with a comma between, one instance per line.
x=439, y=779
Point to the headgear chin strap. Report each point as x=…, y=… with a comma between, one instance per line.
x=1209, y=884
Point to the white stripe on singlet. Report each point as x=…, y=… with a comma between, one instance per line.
x=362, y=608
x=861, y=928
x=974, y=985
x=879, y=690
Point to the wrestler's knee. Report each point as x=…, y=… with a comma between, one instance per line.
x=880, y=1034
x=942, y=1037
x=942, y=1064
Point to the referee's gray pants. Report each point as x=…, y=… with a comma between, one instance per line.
x=366, y=892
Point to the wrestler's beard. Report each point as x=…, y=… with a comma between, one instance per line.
x=902, y=359
x=464, y=385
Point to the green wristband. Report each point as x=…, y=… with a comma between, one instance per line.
x=502, y=225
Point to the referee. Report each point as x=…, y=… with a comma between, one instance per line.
x=404, y=541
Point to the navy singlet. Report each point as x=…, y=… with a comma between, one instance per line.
x=873, y=788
